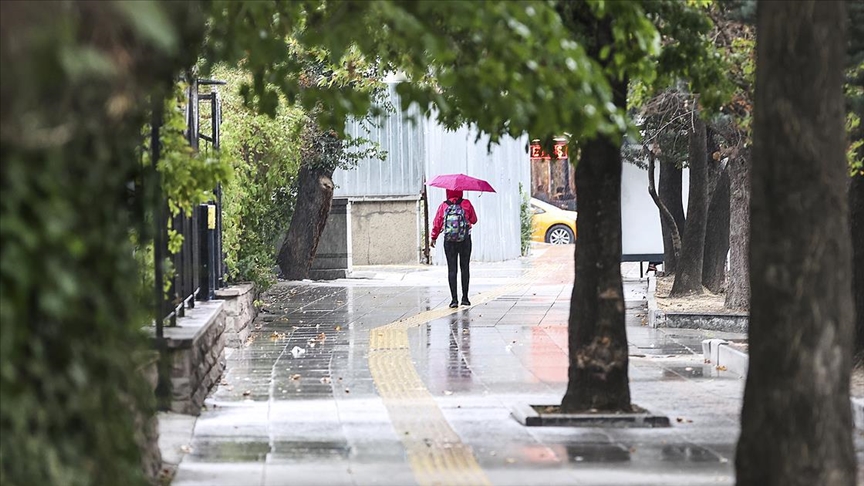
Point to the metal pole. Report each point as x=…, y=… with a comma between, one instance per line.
x=163, y=383
x=425, y=199
x=159, y=218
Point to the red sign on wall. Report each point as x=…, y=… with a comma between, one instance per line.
x=536, y=151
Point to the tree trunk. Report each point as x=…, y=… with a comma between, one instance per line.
x=670, y=192
x=688, y=277
x=717, y=236
x=738, y=281
x=598, y=376
x=314, y=196
x=666, y=219
x=796, y=422
x=856, y=218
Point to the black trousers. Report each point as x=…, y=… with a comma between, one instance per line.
x=458, y=251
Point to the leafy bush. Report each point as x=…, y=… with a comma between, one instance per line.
x=258, y=203
x=70, y=315
x=525, y=226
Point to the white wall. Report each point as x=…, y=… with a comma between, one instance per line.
x=640, y=218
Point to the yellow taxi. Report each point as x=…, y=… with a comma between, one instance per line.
x=550, y=224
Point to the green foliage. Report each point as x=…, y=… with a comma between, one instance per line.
x=188, y=177
x=73, y=107
x=856, y=146
x=257, y=204
x=70, y=320
x=689, y=53
x=854, y=113
x=507, y=67
x=525, y=222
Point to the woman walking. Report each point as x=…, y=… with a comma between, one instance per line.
x=454, y=218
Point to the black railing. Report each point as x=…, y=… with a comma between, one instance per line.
x=199, y=265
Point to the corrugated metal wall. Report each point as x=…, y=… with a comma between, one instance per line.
x=401, y=173
x=496, y=235
x=428, y=149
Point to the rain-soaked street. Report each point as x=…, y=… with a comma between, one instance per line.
x=376, y=381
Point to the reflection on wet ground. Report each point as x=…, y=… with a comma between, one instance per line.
x=299, y=405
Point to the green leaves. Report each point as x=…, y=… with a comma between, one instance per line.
x=258, y=202
x=150, y=22
x=188, y=177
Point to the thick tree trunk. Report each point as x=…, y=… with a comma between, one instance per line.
x=856, y=218
x=314, y=196
x=688, y=277
x=598, y=337
x=667, y=220
x=738, y=281
x=671, y=195
x=717, y=236
x=796, y=422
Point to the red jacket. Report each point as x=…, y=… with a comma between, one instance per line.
x=438, y=222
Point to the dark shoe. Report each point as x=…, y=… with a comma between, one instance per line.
x=465, y=301
x=454, y=304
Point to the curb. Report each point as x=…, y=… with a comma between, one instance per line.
x=529, y=416
x=656, y=317
x=710, y=321
x=724, y=357
x=858, y=412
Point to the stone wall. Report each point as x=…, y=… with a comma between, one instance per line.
x=147, y=425
x=194, y=355
x=239, y=310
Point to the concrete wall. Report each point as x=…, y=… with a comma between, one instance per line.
x=385, y=232
x=333, y=258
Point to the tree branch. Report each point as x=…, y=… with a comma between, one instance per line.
x=664, y=211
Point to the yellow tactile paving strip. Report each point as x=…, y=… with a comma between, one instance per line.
x=435, y=452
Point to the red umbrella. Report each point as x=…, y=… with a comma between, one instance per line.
x=461, y=182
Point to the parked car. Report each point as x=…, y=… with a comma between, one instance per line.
x=551, y=224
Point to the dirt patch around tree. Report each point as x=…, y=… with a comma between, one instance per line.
x=856, y=384
x=706, y=302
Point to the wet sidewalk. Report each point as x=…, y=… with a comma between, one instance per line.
x=375, y=380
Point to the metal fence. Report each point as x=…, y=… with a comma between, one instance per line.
x=199, y=265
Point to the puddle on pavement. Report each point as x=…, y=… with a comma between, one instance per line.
x=229, y=451
x=662, y=350
x=597, y=453
x=617, y=452
x=232, y=450
x=690, y=372
x=688, y=453
x=295, y=449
